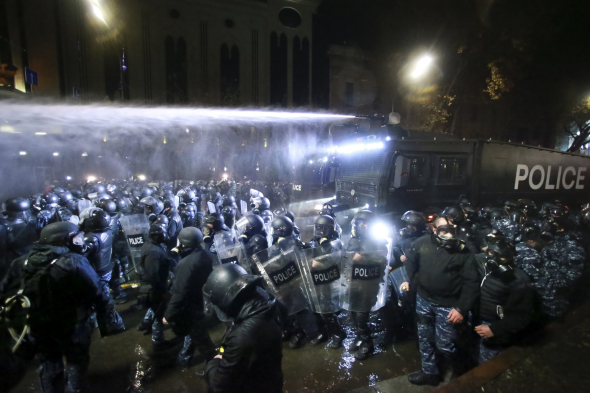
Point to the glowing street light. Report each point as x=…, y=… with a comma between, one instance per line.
x=22, y=153
x=421, y=66
x=91, y=179
x=97, y=11
x=68, y=177
x=55, y=154
x=141, y=177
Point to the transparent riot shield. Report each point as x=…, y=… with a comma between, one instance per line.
x=135, y=228
x=230, y=250
x=269, y=232
x=176, y=202
x=211, y=207
x=398, y=277
x=243, y=207
x=321, y=271
x=364, y=280
x=84, y=204
x=283, y=277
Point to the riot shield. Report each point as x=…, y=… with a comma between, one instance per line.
x=243, y=207
x=84, y=204
x=320, y=269
x=211, y=207
x=135, y=228
x=283, y=277
x=398, y=277
x=230, y=250
x=364, y=280
x=269, y=232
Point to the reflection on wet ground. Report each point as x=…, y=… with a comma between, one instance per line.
x=126, y=362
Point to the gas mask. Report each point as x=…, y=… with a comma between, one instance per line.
x=494, y=263
x=447, y=236
x=360, y=228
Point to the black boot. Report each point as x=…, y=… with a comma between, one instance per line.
x=321, y=337
x=297, y=340
x=421, y=378
x=336, y=341
x=365, y=349
x=145, y=327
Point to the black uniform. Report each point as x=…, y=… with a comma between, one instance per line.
x=251, y=350
x=101, y=250
x=185, y=310
x=505, y=304
x=156, y=265
x=174, y=228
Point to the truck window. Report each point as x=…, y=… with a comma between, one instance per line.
x=452, y=171
x=417, y=171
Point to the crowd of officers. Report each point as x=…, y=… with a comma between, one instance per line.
x=476, y=278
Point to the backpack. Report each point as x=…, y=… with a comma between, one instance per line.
x=30, y=309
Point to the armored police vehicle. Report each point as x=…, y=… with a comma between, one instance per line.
x=390, y=174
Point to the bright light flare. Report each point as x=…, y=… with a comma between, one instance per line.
x=421, y=66
x=68, y=177
x=141, y=177
x=98, y=12
x=22, y=153
x=84, y=154
x=55, y=154
x=40, y=133
x=380, y=230
x=224, y=176
x=91, y=179
x=360, y=147
x=388, y=138
x=325, y=159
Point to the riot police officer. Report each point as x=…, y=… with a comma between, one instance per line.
x=185, y=310
x=414, y=229
x=156, y=265
x=251, y=349
x=63, y=328
x=445, y=274
x=20, y=227
x=119, y=255
x=505, y=304
x=368, y=250
x=324, y=233
x=212, y=224
x=48, y=204
x=174, y=223
x=99, y=242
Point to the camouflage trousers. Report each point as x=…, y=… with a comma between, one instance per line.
x=435, y=332
x=488, y=348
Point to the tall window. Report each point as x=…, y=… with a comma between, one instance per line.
x=176, y=72
x=230, y=75
x=300, y=72
x=278, y=70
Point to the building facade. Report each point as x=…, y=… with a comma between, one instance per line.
x=174, y=52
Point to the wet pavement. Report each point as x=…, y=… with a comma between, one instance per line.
x=125, y=362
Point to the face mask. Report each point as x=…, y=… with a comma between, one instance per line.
x=446, y=236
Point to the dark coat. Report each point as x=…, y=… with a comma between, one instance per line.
x=187, y=291
x=512, y=291
x=447, y=278
x=252, y=350
x=156, y=264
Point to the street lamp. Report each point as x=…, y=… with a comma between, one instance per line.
x=421, y=66
x=97, y=10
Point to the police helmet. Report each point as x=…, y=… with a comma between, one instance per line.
x=152, y=205
x=215, y=221
x=17, y=205
x=412, y=217
x=325, y=227
x=49, y=199
x=94, y=219
x=158, y=229
x=190, y=237
x=121, y=204
x=453, y=213
x=252, y=224
x=282, y=226
x=62, y=233
x=65, y=197
x=226, y=283
x=517, y=216
x=498, y=214
x=108, y=206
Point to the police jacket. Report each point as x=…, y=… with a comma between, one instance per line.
x=402, y=244
x=506, y=299
x=447, y=278
x=21, y=235
x=100, y=250
x=252, y=350
x=174, y=228
x=155, y=263
x=74, y=287
x=187, y=291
